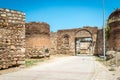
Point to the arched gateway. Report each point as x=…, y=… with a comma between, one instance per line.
x=83, y=42
x=77, y=41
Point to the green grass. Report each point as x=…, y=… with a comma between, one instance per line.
x=100, y=59
x=112, y=69
x=32, y=62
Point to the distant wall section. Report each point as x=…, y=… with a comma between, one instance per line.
x=37, y=38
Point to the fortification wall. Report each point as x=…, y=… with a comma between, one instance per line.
x=37, y=39
x=99, y=43
x=12, y=38
x=53, y=40
x=114, y=24
x=66, y=40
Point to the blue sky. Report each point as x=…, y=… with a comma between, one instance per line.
x=63, y=14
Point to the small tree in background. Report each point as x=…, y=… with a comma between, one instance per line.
x=107, y=31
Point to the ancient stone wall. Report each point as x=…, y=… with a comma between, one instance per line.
x=53, y=40
x=66, y=40
x=114, y=39
x=12, y=37
x=37, y=39
x=114, y=24
x=99, y=43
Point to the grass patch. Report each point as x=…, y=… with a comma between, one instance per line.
x=32, y=62
x=112, y=69
x=100, y=59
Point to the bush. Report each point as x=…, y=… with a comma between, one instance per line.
x=47, y=50
x=78, y=52
x=112, y=69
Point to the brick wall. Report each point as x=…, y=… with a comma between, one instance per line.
x=37, y=38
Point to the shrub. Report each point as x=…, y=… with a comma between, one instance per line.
x=78, y=52
x=47, y=50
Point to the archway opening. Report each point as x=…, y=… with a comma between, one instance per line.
x=83, y=42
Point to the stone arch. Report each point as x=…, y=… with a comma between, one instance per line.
x=83, y=41
x=79, y=32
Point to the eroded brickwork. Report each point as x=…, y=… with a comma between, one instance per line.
x=37, y=39
x=12, y=37
x=53, y=40
x=114, y=39
x=99, y=42
x=65, y=41
x=114, y=23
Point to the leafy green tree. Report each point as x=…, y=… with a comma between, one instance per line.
x=107, y=31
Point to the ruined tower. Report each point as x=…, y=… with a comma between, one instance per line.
x=114, y=24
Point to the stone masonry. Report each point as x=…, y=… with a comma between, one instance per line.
x=114, y=24
x=114, y=39
x=65, y=40
x=40, y=42
x=37, y=39
x=99, y=42
x=53, y=41
x=12, y=37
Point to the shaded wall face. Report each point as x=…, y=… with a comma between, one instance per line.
x=114, y=36
x=37, y=28
x=12, y=38
x=99, y=42
x=114, y=24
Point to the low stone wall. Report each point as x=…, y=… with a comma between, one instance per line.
x=12, y=38
x=36, y=53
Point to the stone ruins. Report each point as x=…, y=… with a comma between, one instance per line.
x=12, y=38
x=114, y=23
x=20, y=40
x=74, y=41
x=37, y=39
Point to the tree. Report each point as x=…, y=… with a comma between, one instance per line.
x=107, y=31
